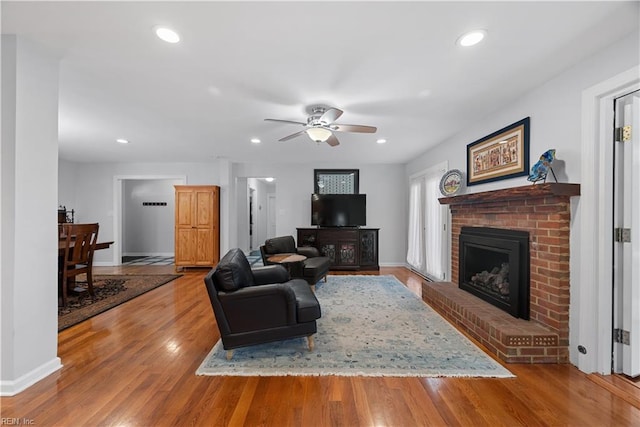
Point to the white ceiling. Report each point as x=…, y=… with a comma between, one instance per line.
x=387, y=64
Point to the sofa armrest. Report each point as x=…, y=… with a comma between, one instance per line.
x=308, y=251
x=259, y=307
x=270, y=274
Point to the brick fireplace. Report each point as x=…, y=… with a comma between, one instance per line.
x=542, y=210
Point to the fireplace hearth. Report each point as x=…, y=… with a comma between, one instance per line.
x=494, y=266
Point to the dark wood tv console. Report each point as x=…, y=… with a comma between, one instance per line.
x=348, y=248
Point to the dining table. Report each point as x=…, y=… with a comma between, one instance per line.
x=99, y=245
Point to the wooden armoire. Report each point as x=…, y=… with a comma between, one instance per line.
x=197, y=227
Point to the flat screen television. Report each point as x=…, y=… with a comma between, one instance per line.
x=339, y=210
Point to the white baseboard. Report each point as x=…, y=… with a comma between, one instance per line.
x=11, y=388
x=392, y=264
x=102, y=264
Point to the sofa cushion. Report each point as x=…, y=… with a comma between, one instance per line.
x=233, y=272
x=280, y=245
x=270, y=274
x=315, y=266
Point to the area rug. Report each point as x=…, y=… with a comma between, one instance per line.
x=110, y=291
x=370, y=326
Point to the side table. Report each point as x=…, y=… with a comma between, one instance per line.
x=293, y=262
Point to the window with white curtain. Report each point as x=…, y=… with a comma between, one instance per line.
x=427, y=250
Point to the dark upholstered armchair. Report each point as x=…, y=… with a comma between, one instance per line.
x=259, y=305
x=314, y=268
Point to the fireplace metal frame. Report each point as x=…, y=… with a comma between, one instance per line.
x=513, y=243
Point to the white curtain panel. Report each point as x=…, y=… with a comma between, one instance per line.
x=415, y=252
x=434, y=227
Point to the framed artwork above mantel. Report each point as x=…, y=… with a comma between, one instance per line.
x=500, y=155
x=336, y=181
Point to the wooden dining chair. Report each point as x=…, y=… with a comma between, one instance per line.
x=80, y=243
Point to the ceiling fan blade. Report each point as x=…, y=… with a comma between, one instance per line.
x=293, y=135
x=285, y=121
x=333, y=141
x=330, y=116
x=354, y=128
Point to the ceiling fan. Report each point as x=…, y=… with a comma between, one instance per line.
x=320, y=126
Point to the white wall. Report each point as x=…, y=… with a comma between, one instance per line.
x=555, y=111
x=384, y=185
x=554, y=108
x=94, y=191
x=67, y=184
x=29, y=240
x=148, y=230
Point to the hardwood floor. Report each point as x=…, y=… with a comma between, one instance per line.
x=135, y=366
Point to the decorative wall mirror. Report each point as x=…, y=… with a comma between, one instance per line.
x=335, y=181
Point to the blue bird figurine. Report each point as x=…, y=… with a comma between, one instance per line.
x=542, y=167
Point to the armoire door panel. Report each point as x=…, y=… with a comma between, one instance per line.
x=185, y=244
x=184, y=211
x=204, y=248
x=204, y=211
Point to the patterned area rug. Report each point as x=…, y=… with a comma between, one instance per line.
x=110, y=290
x=370, y=326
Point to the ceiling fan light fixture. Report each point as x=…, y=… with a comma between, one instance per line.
x=318, y=134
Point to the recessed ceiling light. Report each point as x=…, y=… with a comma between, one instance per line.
x=255, y=140
x=269, y=179
x=381, y=141
x=471, y=38
x=167, y=34
x=122, y=141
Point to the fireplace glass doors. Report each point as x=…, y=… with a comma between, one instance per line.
x=494, y=266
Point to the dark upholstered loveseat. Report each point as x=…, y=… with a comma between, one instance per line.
x=314, y=268
x=259, y=305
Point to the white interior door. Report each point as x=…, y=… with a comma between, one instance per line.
x=626, y=257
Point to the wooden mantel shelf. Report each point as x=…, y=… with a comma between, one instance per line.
x=525, y=192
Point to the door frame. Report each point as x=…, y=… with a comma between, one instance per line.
x=271, y=201
x=118, y=184
x=626, y=357
x=591, y=288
